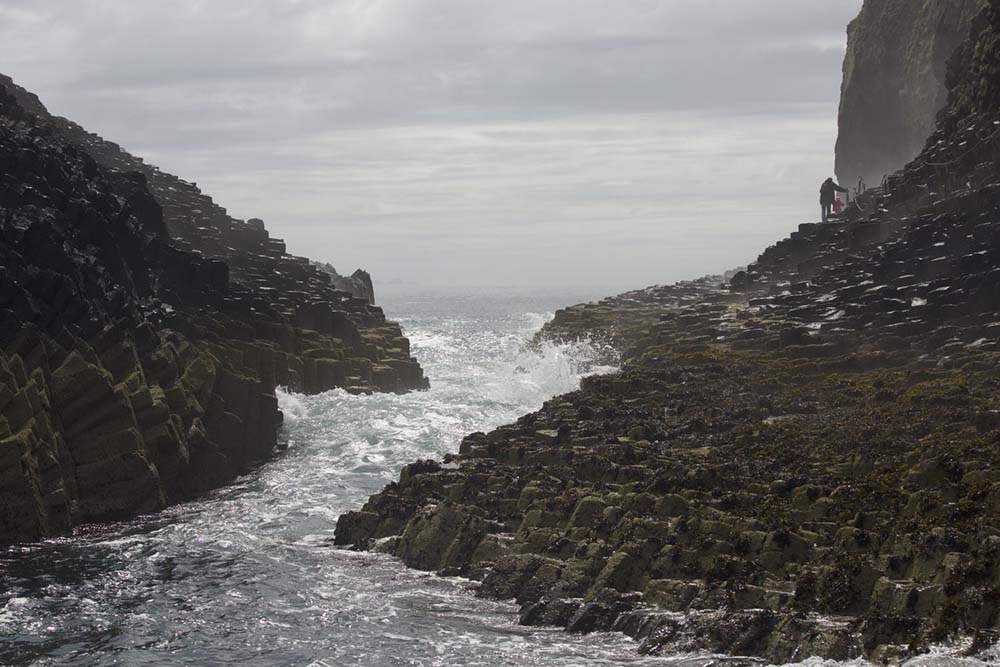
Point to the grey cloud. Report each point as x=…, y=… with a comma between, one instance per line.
x=492, y=134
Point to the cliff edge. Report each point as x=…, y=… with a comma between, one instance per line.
x=894, y=82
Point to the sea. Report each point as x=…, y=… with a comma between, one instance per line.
x=248, y=575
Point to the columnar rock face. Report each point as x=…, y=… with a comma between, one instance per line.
x=143, y=332
x=894, y=82
x=358, y=283
x=801, y=461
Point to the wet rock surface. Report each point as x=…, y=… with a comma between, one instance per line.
x=143, y=332
x=798, y=461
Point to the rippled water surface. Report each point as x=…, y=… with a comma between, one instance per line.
x=248, y=575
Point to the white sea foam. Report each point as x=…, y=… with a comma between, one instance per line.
x=534, y=374
x=292, y=405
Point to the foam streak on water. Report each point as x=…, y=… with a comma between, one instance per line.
x=248, y=576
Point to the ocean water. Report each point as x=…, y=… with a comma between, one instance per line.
x=248, y=574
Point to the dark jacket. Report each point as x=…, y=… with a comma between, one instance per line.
x=827, y=192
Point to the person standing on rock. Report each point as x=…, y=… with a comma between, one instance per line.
x=827, y=193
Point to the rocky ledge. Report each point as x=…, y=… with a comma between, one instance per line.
x=800, y=461
x=143, y=331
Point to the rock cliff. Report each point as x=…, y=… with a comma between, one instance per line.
x=801, y=461
x=357, y=284
x=143, y=331
x=894, y=82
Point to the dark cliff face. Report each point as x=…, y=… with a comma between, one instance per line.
x=358, y=284
x=143, y=331
x=894, y=82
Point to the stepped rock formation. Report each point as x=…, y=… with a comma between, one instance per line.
x=192, y=219
x=143, y=331
x=358, y=284
x=894, y=82
x=802, y=461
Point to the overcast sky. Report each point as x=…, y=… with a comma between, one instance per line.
x=596, y=143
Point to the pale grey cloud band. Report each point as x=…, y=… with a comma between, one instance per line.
x=592, y=142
